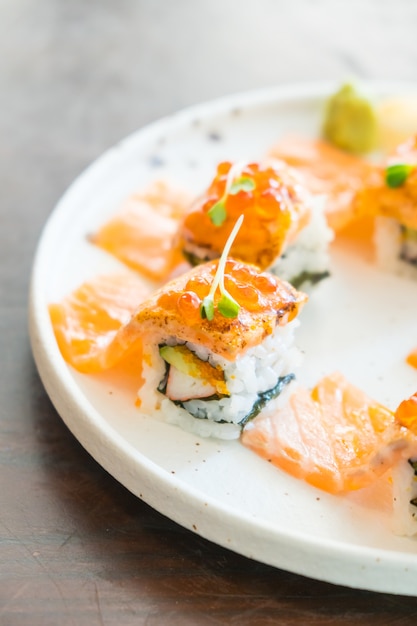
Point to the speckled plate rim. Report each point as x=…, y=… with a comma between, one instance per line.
x=296, y=552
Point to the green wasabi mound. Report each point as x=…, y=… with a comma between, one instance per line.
x=350, y=121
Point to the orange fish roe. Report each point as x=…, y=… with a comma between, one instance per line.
x=265, y=302
x=412, y=358
x=254, y=291
x=275, y=206
x=406, y=413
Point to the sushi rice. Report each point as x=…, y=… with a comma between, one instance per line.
x=267, y=367
x=394, y=252
x=306, y=261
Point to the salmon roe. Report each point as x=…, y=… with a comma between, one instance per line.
x=188, y=304
x=266, y=283
x=200, y=285
x=275, y=208
x=246, y=295
x=406, y=413
x=254, y=291
x=412, y=358
x=166, y=300
x=270, y=191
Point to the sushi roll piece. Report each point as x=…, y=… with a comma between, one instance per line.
x=218, y=346
x=404, y=475
x=393, y=202
x=285, y=229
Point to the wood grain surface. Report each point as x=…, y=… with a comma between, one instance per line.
x=76, y=548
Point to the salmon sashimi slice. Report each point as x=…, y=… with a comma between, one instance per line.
x=330, y=171
x=142, y=234
x=87, y=322
x=334, y=437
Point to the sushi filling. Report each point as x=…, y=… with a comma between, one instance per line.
x=209, y=387
x=408, y=250
x=195, y=255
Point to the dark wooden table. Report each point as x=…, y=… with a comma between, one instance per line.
x=76, y=548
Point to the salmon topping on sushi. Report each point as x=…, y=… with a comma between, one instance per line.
x=394, y=193
x=275, y=205
x=392, y=200
x=265, y=302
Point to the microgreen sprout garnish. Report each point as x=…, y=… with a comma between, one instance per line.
x=244, y=183
x=396, y=175
x=227, y=305
x=234, y=183
x=217, y=213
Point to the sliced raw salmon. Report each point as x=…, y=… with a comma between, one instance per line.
x=143, y=233
x=330, y=171
x=87, y=322
x=334, y=437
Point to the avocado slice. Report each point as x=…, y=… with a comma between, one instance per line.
x=181, y=358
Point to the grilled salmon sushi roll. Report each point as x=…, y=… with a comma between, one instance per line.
x=285, y=230
x=214, y=357
x=393, y=202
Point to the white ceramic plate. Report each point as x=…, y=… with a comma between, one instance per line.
x=359, y=322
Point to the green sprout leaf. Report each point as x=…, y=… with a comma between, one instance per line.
x=227, y=306
x=207, y=308
x=235, y=182
x=242, y=184
x=396, y=175
x=217, y=213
